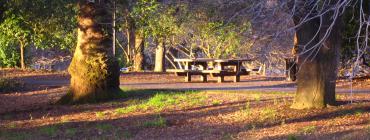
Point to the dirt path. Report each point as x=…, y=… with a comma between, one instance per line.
x=170, y=81
x=47, y=88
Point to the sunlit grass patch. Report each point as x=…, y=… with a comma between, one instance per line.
x=12, y=125
x=268, y=113
x=257, y=97
x=359, y=112
x=162, y=100
x=157, y=122
x=247, y=108
x=216, y=102
x=308, y=129
x=128, y=109
x=99, y=114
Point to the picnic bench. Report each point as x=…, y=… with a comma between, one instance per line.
x=213, y=67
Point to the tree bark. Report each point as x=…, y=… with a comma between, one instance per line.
x=131, y=36
x=23, y=64
x=94, y=70
x=139, y=53
x=317, y=67
x=160, y=53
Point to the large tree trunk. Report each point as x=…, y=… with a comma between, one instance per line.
x=94, y=71
x=317, y=67
x=139, y=59
x=160, y=53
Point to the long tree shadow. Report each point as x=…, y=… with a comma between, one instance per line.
x=179, y=123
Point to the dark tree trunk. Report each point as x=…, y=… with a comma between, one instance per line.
x=317, y=67
x=94, y=71
x=160, y=53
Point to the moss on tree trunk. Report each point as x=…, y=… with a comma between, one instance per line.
x=94, y=71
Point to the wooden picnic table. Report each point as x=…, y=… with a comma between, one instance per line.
x=212, y=67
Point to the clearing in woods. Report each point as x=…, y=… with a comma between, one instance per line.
x=162, y=106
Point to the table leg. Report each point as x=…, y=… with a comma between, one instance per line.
x=237, y=71
x=221, y=79
x=237, y=78
x=188, y=77
x=203, y=78
x=187, y=66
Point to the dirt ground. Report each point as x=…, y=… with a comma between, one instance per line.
x=256, y=108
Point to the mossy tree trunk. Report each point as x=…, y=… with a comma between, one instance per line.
x=160, y=53
x=317, y=67
x=94, y=71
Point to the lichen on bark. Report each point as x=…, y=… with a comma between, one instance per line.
x=94, y=70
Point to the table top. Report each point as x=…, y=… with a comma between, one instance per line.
x=212, y=60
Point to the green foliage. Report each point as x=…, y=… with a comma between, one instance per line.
x=37, y=23
x=9, y=55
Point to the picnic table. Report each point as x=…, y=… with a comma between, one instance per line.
x=214, y=67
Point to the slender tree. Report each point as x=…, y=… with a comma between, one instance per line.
x=94, y=70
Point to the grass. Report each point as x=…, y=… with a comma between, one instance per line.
x=292, y=137
x=158, y=122
x=359, y=112
x=49, y=130
x=14, y=135
x=126, y=135
x=216, y=102
x=104, y=127
x=12, y=125
x=308, y=129
x=247, y=109
x=71, y=132
x=162, y=100
x=257, y=97
x=100, y=114
x=268, y=113
x=227, y=137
